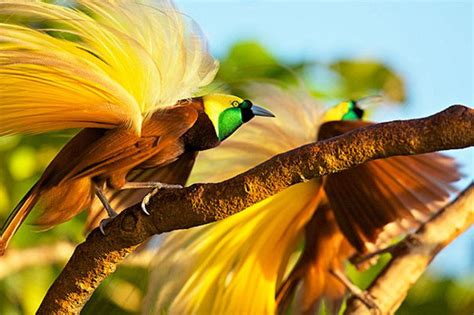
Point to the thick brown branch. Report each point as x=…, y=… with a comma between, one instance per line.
x=412, y=256
x=199, y=204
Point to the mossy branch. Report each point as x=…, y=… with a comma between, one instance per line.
x=412, y=256
x=199, y=204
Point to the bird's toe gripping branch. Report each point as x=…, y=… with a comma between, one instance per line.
x=104, y=223
x=157, y=186
x=363, y=296
x=146, y=200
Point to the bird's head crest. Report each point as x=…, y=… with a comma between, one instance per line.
x=227, y=112
x=351, y=110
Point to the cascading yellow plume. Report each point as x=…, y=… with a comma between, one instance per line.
x=120, y=65
x=243, y=265
x=234, y=266
x=96, y=64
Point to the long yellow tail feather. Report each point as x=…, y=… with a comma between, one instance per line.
x=236, y=265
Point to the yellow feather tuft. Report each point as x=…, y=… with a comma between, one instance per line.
x=235, y=266
x=215, y=104
x=336, y=112
x=98, y=64
x=263, y=138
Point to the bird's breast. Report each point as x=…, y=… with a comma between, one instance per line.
x=201, y=136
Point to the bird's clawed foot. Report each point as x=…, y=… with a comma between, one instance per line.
x=112, y=214
x=157, y=186
x=368, y=300
x=363, y=296
x=104, y=223
x=146, y=200
x=144, y=185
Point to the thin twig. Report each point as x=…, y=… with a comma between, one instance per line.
x=412, y=256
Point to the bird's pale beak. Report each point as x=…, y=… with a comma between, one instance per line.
x=260, y=111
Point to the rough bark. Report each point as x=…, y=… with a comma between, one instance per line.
x=199, y=204
x=412, y=256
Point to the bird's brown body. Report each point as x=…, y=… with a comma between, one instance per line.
x=355, y=208
x=105, y=157
x=123, y=72
x=342, y=215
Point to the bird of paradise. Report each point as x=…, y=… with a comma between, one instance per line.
x=124, y=72
x=252, y=262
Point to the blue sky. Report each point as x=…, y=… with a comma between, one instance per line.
x=430, y=43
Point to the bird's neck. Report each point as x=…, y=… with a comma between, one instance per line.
x=202, y=135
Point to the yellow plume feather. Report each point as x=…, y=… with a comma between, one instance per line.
x=235, y=266
x=243, y=265
x=98, y=64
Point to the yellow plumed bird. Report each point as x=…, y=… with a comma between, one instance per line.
x=252, y=262
x=126, y=73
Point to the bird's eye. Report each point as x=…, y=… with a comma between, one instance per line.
x=246, y=104
x=235, y=103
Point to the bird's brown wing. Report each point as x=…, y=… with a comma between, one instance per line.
x=325, y=248
x=119, y=149
x=176, y=172
x=400, y=190
x=109, y=155
x=370, y=203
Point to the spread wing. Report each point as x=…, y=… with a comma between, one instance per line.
x=98, y=64
x=402, y=189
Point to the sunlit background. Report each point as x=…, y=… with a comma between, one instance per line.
x=419, y=53
x=427, y=43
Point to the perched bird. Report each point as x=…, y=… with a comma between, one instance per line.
x=282, y=252
x=126, y=73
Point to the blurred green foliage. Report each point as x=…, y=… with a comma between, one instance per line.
x=23, y=158
x=348, y=79
x=360, y=78
x=434, y=295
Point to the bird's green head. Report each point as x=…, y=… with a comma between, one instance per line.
x=227, y=113
x=344, y=111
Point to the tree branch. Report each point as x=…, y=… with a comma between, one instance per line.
x=412, y=256
x=199, y=204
